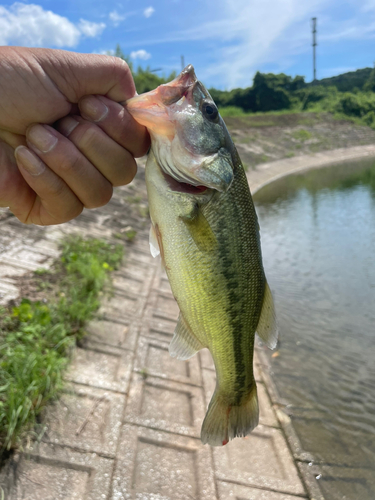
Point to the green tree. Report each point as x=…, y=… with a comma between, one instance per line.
x=144, y=79
x=369, y=86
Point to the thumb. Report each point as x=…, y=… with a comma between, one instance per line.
x=77, y=75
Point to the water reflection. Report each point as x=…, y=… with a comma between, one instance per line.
x=318, y=241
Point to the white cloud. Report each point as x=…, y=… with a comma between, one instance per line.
x=148, y=12
x=140, y=54
x=245, y=35
x=116, y=18
x=90, y=29
x=31, y=25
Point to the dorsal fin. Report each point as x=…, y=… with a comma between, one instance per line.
x=267, y=328
x=184, y=343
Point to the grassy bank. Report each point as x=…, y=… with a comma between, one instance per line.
x=36, y=337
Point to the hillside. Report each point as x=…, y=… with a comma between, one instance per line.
x=346, y=82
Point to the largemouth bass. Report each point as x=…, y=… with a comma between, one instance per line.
x=206, y=230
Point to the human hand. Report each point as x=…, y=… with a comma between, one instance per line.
x=64, y=138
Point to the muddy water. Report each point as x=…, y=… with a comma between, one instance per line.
x=318, y=241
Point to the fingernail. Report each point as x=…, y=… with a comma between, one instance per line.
x=93, y=108
x=67, y=125
x=41, y=138
x=27, y=160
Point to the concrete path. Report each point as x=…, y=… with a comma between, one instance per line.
x=128, y=423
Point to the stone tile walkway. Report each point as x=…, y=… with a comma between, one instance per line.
x=128, y=423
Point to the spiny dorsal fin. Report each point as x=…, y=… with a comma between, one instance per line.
x=200, y=230
x=184, y=343
x=267, y=327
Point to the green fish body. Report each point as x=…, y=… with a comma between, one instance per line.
x=205, y=227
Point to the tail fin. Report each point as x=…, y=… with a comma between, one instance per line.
x=224, y=422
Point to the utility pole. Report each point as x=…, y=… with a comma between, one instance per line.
x=314, y=44
x=182, y=62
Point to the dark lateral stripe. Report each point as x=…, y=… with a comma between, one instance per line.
x=237, y=296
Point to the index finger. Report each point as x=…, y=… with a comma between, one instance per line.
x=117, y=122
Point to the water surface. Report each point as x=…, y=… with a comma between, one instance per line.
x=318, y=242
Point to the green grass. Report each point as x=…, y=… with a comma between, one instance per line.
x=36, y=338
x=301, y=135
x=232, y=111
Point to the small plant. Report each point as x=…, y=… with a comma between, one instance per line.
x=301, y=135
x=36, y=337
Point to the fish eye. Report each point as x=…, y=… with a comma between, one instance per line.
x=210, y=111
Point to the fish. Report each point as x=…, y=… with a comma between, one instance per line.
x=205, y=228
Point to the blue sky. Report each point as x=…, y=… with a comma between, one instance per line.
x=226, y=40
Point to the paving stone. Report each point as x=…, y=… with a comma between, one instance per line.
x=86, y=418
x=157, y=328
x=108, y=368
x=155, y=319
x=57, y=473
x=157, y=465
x=112, y=333
x=311, y=475
x=230, y=491
x=127, y=283
x=266, y=414
x=153, y=358
x=47, y=247
x=8, y=290
x=123, y=305
x=165, y=405
x=166, y=305
x=141, y=255
x=7, y=270
x=261, y=460
x=28, y=254
x=161, y=282
x=140, y=271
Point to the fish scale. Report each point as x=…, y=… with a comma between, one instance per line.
x=206, y=228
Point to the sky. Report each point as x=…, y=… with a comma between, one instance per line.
x=227, y=41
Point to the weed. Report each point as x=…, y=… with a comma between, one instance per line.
x=36, y=338
x=301, y=135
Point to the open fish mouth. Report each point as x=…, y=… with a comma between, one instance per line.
x=183, y=187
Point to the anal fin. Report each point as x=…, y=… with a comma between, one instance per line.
x=184, y=343
x=267, y=328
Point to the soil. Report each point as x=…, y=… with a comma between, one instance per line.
x=265, y=138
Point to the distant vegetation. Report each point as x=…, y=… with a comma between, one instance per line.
x=350, y=95
x=144, y=79
x=271, y=92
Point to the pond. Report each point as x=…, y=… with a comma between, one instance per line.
x=318, y=242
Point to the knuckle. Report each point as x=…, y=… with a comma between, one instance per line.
x=70, y=163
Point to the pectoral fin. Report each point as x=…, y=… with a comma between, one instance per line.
x=200, y=230
x=154, y=245
x=184, y=343
x=267, y=327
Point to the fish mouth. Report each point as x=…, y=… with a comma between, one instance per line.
x=183, y=187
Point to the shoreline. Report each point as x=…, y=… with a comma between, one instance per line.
x=267, y=173
x=262, y=176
